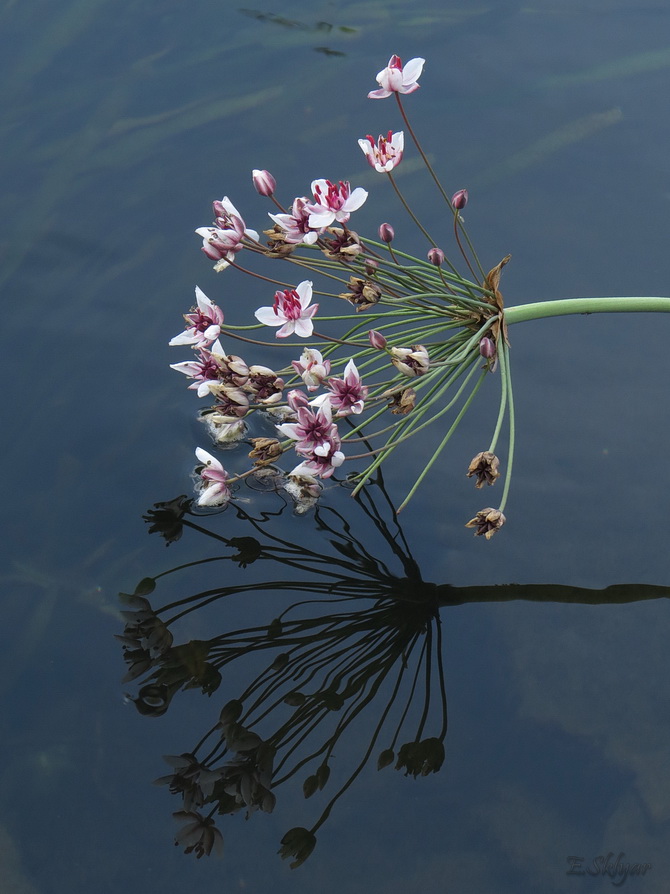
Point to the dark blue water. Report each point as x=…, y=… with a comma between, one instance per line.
x=120, y=124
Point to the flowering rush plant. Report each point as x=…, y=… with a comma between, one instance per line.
x=379, y=345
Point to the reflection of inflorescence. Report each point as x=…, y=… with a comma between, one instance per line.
x=361, y=651
x=368, y=639
x=415, y=347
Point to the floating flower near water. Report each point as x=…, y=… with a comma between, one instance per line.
x=214, y=490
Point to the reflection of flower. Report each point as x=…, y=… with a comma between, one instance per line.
x=396, y=79
x=191, y=779
x=291, y=310
x=298, y=843
x=166, y=518
x=198, y=835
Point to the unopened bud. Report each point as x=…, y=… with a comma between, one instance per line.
x=436, y=256
x=264, y=182
x=377, y=340
x=460, y=199
x=297, y=399
x=386, y=232
x=487, y=347
x=371, y=266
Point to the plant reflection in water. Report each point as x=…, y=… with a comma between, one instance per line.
x=368, y=642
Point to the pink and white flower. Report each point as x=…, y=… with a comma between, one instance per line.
x=213, y=485
x=204, y=370
x=325, y=458
x=347, y=395
x=317, y=439
x=291, y=311
x=312, y=368
x=224, y=239
x=396, y=79
x=296, y=225
x=312, y=427
x=386, y=153
x=203, y=323
x=333, y=202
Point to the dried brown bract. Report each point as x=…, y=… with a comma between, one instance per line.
x=266, y=450
x=403, y=402
x=362, y=293
x=278, y=247
x=487, y=522
x=344, y=245
x=486, y=467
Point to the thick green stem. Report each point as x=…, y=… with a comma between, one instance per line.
x=563, y=306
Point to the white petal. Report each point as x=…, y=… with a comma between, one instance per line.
x=268, y=317
x=304, y=290
x=379, y=94
x=322, y=184
x=412, y=71
x=207, y=459
x=319, y=218
x=355, y=200
x=184, y=338
x=302, y=328
x=203, y=301
x=214, y=495
x=188, y=367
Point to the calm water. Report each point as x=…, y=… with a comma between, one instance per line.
x=121, y=122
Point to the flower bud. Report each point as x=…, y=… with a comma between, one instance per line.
x=264, y=182
x=487, y=347
x=377, y=340
x=386, y=232
x=297, y=399
x=371, y=266
x=460, y=199
x=436, y=256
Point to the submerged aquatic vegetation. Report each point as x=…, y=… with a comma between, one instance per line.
x=411, y=347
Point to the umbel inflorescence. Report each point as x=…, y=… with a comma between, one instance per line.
x=378, y=344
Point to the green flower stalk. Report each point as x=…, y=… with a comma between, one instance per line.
x=395, y=344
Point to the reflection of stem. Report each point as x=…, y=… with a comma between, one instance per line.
x=617, y=594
